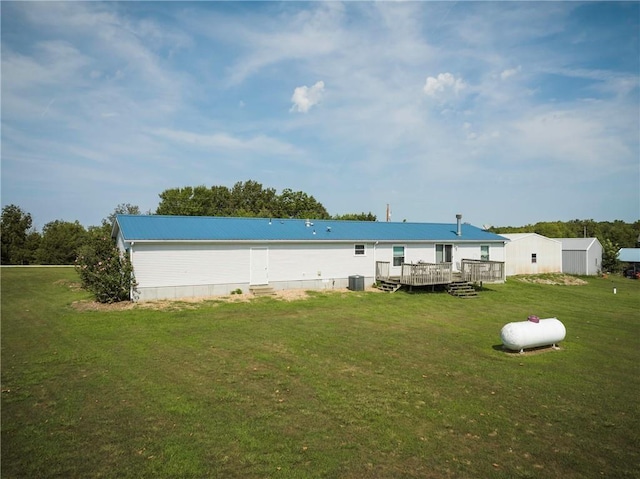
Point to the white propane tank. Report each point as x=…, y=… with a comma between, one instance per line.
x=532, y=334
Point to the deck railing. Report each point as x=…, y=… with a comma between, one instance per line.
x=476, y=271
x=422, y=274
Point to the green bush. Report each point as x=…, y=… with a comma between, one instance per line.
x=104, y=271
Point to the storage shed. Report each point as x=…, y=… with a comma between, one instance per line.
x=531, y=253
x=190, y=256
x=581, y=256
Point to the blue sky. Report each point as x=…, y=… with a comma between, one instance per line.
x=508, y=113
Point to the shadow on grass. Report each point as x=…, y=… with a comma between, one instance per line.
x=525, y=352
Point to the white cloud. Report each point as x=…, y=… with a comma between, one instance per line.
x=510, y=72
x=444, y=82
x=305, y=97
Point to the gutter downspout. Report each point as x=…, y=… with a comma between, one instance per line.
x=131, y=261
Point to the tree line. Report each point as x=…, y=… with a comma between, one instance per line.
x=60, y=241
x=624, y=235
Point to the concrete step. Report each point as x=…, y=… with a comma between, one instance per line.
x=262, y=290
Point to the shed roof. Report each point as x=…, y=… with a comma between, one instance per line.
x=629, y=255
x=577, y=244
x=213, y=228
x=521, y=236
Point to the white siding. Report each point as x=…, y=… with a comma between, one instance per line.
x=176, y=269
x=318, y=261
x=519, y=253
x=178, y=264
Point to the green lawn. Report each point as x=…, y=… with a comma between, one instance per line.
x=344, y=385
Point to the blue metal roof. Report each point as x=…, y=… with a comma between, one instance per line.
x=629, y=255
x=214, y=228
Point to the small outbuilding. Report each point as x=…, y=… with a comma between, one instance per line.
x=581, y=256
x=531, y=253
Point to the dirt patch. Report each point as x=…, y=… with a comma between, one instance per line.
x=556, y=279
x=72, y=285
x=88, y=305
x=180, y=304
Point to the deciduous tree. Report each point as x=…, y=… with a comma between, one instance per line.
x=104, y=271
x=60, y=242
x=18, y=238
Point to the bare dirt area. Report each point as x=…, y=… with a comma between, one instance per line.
x=193, y=303
x=557, y=279
x=88, y=305
x=72, y=285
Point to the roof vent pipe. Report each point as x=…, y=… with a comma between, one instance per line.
x=459, y=225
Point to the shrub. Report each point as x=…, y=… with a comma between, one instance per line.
x=104, y=271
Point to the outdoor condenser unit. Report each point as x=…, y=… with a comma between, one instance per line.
x=532, y=333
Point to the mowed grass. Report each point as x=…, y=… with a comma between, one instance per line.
x=345, y=385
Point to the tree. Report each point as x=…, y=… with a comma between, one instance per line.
x=610, y=262
x=297, y=204
x=121, y=209
x=251, y=199
x=60, y=242
x=356, y=217
x=195, y=201
x=248, y=199
x=104, y=271
x=18, y=238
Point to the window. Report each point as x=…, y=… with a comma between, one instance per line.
x=534, y=258
x=484, y=253
x=444, y=253
x=398, y=255
x=358, y=250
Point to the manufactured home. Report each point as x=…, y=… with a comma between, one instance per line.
x=581, y=256
x=531, y=253
x=195, y=256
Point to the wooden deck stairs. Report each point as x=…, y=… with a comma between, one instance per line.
x=263, y=290
x=389, y=285
x=462, y=289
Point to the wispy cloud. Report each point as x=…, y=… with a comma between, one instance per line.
x=260, y=144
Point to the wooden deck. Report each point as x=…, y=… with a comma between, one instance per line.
x=427, y=274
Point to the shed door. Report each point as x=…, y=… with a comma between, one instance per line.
x=259, y=266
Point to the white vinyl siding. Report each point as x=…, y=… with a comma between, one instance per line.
x=189, y=264
x=295, y=262
x=180, y=269
x=531, y=253
x=192, y=264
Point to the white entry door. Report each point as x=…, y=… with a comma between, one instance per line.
x=259, y=266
